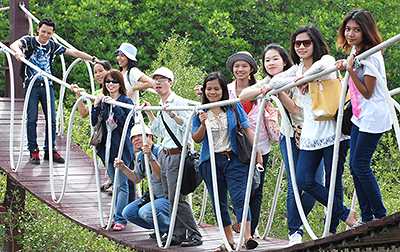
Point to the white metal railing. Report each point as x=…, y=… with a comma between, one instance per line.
x=194, y=110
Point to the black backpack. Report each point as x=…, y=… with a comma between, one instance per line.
x=28, y=54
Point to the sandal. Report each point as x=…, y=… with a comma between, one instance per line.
x=106, y=185
x=235, y=225
x=250, y=243
x=190, y=242
x=106, y=224
x=223, y=247
x=118, y=227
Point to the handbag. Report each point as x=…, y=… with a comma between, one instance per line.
x=191, y=175
x=97, y=136
x=347, y=115
x=244, y=146
x=271, y=122
x=325, y=96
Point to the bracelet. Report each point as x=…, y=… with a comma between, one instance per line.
x=173, y=115
x=153, y=158
x=94, y=57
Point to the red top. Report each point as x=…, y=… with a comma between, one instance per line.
x=247, y=106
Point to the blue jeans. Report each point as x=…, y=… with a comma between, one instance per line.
x=231, y=176
x=143, y=217
x=293, y=217
x=362, y=147
x=256, y=197
x=308, y=164
x=122, y=196
x=38, y=94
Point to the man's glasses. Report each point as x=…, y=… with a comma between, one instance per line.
x=113, y=81
x=160, y=80
x=306, y=43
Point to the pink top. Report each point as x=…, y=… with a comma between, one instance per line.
x=263, y=139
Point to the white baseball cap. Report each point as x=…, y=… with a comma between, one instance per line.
x=137, y=130
x=163, y=71
x=128, y=50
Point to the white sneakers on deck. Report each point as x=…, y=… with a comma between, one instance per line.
x=295, y=238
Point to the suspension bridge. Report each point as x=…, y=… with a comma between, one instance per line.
x=73, y=189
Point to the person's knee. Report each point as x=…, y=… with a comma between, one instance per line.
x=303, y=183
x=145, y=214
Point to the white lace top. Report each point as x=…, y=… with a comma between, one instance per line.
x=315, y=134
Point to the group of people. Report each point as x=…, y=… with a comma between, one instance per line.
x=311, y=141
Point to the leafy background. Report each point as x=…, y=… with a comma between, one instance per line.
x=195, y=37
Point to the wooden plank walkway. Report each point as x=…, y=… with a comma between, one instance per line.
x=80, y=203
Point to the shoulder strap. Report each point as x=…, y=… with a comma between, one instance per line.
x=52, y=51
x=236, y=115
x=176, y=141
x=155, y=150
x=29, y=52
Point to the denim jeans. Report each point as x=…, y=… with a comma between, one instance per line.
x=256, y=197
x=231, y=176
x=38, y=94
x=122, y=196
x=362, y=147
x=308, y=164
x=143, y=217
x=293, y=217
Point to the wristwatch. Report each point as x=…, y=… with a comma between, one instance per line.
x=153, y=158
x=173, y=115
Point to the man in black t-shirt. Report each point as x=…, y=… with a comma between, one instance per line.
x=40, y=51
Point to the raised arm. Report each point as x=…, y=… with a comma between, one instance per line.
x=78, y=54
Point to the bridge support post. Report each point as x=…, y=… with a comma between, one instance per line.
x=18, y=27
x=10, y=211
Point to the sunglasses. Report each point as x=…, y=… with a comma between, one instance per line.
x=113, y=81
x=160, y=80
x=306, y=43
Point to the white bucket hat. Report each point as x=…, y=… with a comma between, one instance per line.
x=128, y=50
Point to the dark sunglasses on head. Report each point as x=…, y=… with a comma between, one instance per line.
x=306, y=43
x=113, y=81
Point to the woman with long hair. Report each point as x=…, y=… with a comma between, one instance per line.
x=114, y=90
x=310, y=56
x=371, y=116
x=231, y=173
x=275, y=60
x=135, y=79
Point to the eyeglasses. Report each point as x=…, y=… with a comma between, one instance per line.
x=113, y=81
x=160, y=80
x=306, y=43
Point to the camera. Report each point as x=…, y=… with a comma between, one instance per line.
x=145, y=199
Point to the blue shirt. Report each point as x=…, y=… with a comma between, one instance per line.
x=120, y=115
x=40, y=57
x=230, y=115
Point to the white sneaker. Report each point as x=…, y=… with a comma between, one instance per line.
x=295, y=238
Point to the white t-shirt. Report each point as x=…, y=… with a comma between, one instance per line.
x=134, y=75
x=374, y=112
